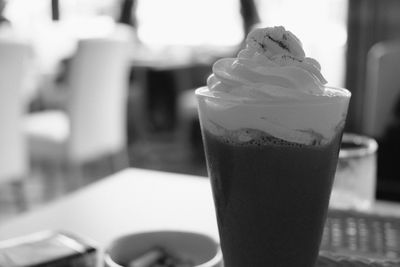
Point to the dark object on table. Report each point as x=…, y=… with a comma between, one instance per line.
x=47, y=249
x=359, y=239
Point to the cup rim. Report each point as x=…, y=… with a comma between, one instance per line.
x=217, y=258
x=204, y=91
x=369, y=145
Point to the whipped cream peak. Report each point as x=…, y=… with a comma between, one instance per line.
x=276, y=42
x=273, y=56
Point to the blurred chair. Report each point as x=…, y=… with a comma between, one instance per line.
x=382, y=87
x=14, y=164
x=94, y=122
x=381, y=113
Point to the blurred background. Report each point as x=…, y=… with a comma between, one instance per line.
x=90, y=87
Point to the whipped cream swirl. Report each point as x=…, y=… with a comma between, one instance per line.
x=273, y=64
x=273, y=87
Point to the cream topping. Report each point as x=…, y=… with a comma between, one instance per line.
x=273, y=63
x=286, y=89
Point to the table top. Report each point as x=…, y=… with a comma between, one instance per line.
x=133, y=200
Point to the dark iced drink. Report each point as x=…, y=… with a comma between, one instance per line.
x=271, y=132
x=270, y=197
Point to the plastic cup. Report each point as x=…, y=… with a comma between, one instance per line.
x=271, y=195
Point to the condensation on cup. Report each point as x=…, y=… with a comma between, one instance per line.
x=355, y=180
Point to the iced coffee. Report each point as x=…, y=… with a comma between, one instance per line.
x=271, y=130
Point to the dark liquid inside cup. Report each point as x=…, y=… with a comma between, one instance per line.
x=271, y=198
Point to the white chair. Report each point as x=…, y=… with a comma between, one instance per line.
x=94, y=123
x=14, y=164
x=382, y=88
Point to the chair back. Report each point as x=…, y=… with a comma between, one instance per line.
x=97, y=107
x=382, y=88
x=13, y=148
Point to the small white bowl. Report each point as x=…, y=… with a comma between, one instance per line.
x=203, y=250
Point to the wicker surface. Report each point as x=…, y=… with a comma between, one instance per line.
x=359, y=239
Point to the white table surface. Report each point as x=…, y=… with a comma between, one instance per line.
x=133, y=200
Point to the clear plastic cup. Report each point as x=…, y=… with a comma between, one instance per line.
x=271, y=195
x=355, y=179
